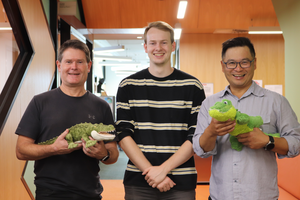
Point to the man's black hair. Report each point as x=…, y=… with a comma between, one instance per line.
x=238, y=42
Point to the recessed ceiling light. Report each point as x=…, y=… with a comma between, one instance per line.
x=181, y=9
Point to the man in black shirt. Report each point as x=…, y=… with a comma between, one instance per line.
x=63, y=173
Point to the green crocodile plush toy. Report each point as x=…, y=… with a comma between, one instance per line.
x=224, y=110
x=84, y=130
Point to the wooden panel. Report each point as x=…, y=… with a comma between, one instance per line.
x=129, y=13
x=3, y=17
x=200, y=55
x=109, y=17
x=136, y=13
x=8, y=54
x=203, y=167
x=236, y=14
x=37, y=80
x=202, y=16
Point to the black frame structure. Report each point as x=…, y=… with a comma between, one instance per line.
x=16, y=77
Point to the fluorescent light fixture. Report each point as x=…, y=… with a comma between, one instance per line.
x=119, y=64
x=78, y=35
x=5, y=28
x=177, y=31
x=181, y=9
x=109, y=49
x=139, y=37
x=265, y=30
x=128, y=68
x=118, y=58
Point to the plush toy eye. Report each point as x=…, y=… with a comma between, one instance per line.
x=225, y=102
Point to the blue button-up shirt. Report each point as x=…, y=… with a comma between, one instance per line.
x=248, y=174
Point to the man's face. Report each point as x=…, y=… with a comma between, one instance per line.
x=159, y=47
x=73, y=68
x=239, y=78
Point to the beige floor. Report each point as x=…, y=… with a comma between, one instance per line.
x=114, y=190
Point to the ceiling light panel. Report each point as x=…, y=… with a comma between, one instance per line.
x=181, y=9
x=109, y=49
x=265, y=30
x=117, y=58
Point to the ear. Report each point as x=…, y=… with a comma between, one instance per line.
x=223, y=66
x=254, y=63
x=58, y=65
x=89, y=66
x=145, y=47
x=173, y=46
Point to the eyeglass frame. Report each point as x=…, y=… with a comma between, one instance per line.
x=236, y=63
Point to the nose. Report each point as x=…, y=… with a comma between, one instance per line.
x=238, y=67
x=158, y=46
x=74, y=65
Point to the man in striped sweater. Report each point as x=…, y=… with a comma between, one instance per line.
x=156, y=118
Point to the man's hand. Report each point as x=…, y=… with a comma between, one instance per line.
x=165, y=185
x=154, y=175
x=61, y=145
x=255, y=139
x=217, y=128
x=156, y=178
x=97, y=151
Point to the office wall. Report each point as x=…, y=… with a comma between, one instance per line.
x=37, y=80
x=200, y=55
x=288, y=16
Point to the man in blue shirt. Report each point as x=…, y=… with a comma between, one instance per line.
x=252, y=172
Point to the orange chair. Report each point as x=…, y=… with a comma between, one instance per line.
x=289, y=178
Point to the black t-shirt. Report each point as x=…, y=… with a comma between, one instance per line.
x=47, y=116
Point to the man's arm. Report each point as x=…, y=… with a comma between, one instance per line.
x=134, y=153
x=140, y=161
x=26, y=149
x=156, y=174
x=256, y=139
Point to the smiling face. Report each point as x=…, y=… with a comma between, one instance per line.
x=73, y=68
x=240, y=79
x=159, y=47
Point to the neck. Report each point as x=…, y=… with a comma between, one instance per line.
x=238, y=92
x=73, y=91
x=160, y=71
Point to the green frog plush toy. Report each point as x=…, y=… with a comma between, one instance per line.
x=224, y=110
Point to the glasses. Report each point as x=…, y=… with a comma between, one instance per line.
x=243, y=64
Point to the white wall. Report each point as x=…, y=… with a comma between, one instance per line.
x=288, y=15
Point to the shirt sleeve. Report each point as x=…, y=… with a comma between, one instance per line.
x=203, y=121
x=289, y=127
x=124, y=123
x=29, y=125
x=198, y=98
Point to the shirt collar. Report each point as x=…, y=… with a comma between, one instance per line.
x=254, y=89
